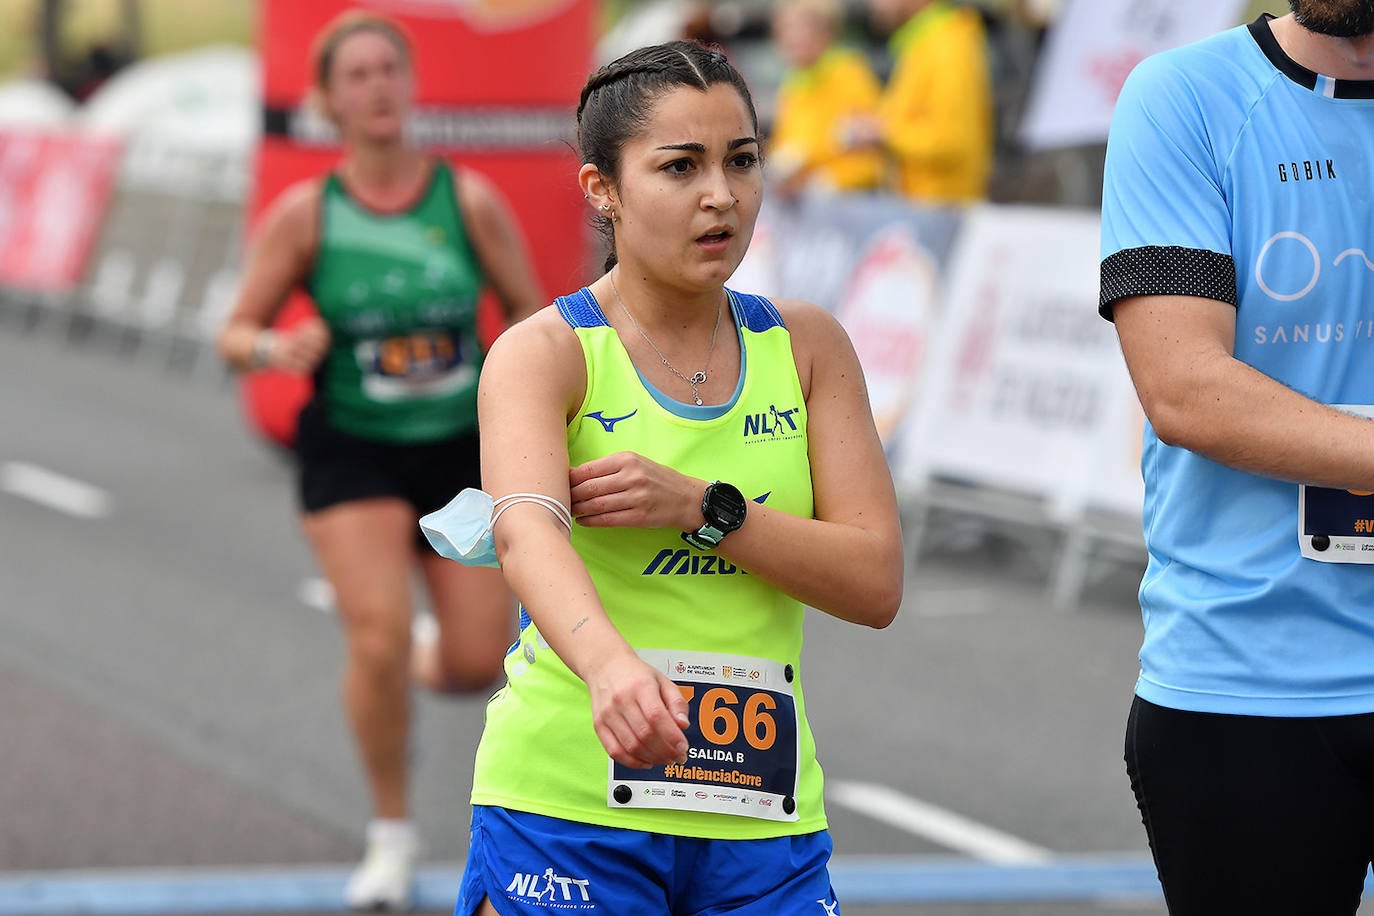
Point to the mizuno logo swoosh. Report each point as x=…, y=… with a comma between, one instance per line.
x=608, y=423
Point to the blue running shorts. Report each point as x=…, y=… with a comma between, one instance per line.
x=529, y=864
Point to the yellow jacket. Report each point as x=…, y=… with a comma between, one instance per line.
x=936, y=112
x=812, y=105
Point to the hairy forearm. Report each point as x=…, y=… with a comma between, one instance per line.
x=1235, y=415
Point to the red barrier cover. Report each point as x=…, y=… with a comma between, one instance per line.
x=496, y=90
x=54, y=188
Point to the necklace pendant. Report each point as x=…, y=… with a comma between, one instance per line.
x=697, y=398
x=698, y=378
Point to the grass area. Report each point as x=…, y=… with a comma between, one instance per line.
x=168, y=25
x=1277, y=7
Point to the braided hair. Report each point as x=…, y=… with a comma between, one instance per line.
x=615, y=103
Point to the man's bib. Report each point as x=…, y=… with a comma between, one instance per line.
x=731, y=641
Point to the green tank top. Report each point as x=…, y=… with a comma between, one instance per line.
x=731, y=641
x=399, y=293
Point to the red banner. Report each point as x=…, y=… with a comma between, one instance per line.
x=53, y=192
x=497, y=83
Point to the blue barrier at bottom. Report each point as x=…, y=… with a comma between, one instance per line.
x=857, y=879
x=320, y=888
x=929, y=879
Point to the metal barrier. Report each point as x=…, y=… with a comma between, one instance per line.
x=164, y=269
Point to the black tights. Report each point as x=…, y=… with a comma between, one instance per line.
x=1251, y=815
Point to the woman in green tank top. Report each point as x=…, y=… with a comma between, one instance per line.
x=720, y=456
x=395, y=248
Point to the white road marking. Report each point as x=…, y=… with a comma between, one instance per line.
x=53, y=490
x=316, y=593
x=935, y=824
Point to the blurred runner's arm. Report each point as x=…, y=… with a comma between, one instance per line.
x=278, y=261
x=1198, y=396
x=533, y=378
x=500, y=246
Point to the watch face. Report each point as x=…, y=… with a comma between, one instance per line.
x=724, y=506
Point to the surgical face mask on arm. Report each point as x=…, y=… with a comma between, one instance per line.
x=462, y=530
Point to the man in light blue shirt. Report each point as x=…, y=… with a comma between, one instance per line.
x=1238, y=265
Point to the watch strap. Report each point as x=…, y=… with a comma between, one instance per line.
x=704, y=538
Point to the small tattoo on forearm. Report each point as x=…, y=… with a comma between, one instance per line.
x=577, y=626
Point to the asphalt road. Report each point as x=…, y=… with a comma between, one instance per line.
x=168, y=695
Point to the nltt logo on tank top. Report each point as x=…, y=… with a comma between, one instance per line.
x=772, y=425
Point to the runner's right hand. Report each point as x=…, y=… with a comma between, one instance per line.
x=639, y=714
x=301, y=347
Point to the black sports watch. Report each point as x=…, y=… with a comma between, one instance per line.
x=724, y=507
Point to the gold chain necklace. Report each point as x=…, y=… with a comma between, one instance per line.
x=696, y=378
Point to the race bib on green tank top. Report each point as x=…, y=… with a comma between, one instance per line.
x=399, y=292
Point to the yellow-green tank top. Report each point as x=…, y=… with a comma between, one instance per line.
x=685, y=609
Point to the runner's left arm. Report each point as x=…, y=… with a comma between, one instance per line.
x=846, y=561
x=279, y=260
x=496, y=237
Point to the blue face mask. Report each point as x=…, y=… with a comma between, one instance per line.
x=461, y=530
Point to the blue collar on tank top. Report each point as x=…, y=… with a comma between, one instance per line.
x=582, y=310
x=705, y=411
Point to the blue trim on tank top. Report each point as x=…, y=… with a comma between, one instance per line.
x=757, y=314
x=581, y=310
x=706, y=411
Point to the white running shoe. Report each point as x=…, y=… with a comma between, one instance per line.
x=382, y=881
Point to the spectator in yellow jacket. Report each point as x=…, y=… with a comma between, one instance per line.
x=825, y=87
x=935, y=118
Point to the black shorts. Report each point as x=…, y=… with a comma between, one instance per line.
x=336, y=467
x=1255, y=815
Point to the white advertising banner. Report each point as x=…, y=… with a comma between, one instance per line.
x=1026, y=386
x=890, y=313
x=1093, y=46
x=873, y=261
x=1115, y=484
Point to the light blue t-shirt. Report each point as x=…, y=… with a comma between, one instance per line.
x=1233, y=173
